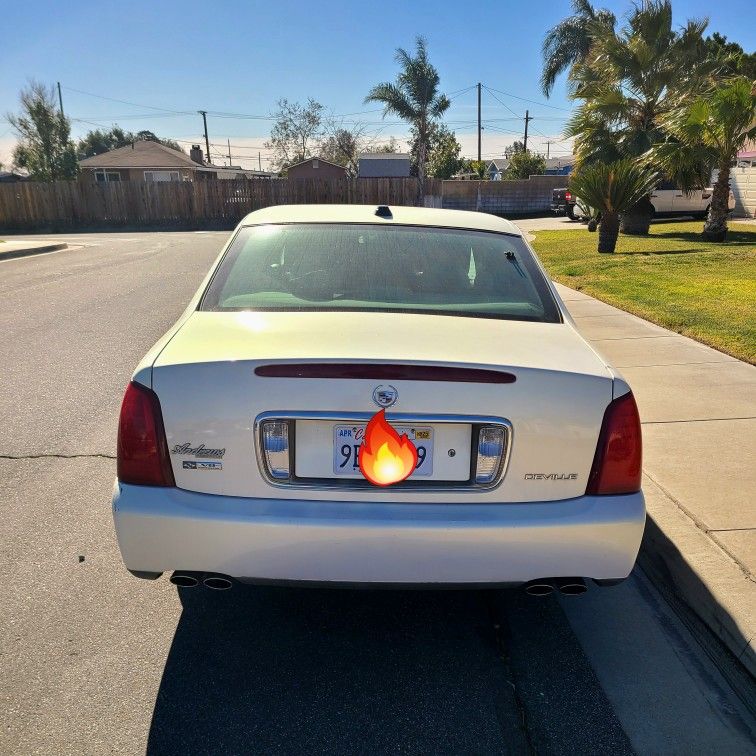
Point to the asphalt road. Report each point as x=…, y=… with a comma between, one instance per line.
x=95, y=661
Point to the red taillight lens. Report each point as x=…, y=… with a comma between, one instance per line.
x=142, y=448
x=568, y=196
x=617, y=464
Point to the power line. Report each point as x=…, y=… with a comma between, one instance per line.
x=127, y=102
x=488, y=89
x=532, y=102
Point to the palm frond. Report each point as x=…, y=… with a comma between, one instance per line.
x=613, y=187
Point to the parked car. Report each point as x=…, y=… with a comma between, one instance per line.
x=666, y=199
x=247, y=433
x=563, y=202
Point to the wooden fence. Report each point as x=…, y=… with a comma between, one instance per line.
x=188, y=204
x=27, y=206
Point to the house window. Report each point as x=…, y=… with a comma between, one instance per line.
x=161, y=176
x=107, y=177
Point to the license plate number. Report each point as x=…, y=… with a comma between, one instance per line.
x=347, y=440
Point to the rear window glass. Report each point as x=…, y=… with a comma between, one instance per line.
x=387, y=268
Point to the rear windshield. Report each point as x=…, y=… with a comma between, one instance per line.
x=387, y=268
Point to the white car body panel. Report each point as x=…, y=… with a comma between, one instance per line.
x=234, y=521
x=209, y=393
x=677, y=202
x=400, y=542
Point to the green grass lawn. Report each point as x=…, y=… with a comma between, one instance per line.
x=703, y=290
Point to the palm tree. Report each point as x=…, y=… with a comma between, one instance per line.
x=611, y=189
x=415, y=98
x=628, y=83
x=718, y=124
x=569, y=42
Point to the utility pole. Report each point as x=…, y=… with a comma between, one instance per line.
x=479, y=127
x=229, y=152
x=527, y=120
x=60, y=100
x=203, y=113
x=548, y=144
x=259, y=161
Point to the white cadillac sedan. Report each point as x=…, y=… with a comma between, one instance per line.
x=379, y=396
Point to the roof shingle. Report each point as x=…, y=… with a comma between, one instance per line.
x=142, y=154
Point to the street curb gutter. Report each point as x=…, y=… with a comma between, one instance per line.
x=686, y=564
x=27, y=251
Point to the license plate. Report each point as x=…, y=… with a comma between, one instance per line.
x=347, y=440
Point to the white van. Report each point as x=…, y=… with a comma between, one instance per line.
x=668, y=199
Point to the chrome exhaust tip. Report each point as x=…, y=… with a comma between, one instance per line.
x=217, y=583
x=184, y=580
x=539, y=588
x=572, y=586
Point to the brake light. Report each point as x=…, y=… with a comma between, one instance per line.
x=617, y=463
x=143, y=456
x=568, y=196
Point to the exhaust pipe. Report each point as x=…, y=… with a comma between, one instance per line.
x=539, y=588
x=184, y=579
x=217, y=582
x=572, y=586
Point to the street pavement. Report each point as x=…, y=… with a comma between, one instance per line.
x=95, y=661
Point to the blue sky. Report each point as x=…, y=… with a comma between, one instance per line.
x=241, y=57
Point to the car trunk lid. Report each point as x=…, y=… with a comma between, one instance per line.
x=212, y=383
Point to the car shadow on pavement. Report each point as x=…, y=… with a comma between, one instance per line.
x=288, y=670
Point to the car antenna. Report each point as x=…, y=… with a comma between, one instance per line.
x=383, y=211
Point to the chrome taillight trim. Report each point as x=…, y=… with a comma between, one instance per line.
x=330, y=484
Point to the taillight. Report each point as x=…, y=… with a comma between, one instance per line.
x=617, y=463
x=142, y=447
x=492, y=442
x=568, y=196
x=275, y=446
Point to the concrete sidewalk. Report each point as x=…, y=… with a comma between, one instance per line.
x=10, y=249
x=698, y=410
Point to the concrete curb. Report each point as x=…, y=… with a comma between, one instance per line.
x=27, y=251
x=685, y=562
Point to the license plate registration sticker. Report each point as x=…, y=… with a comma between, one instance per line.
x=347, y=440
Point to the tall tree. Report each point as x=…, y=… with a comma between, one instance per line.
x=569, y=42
x=414, y=97
x=98, y=141
x=297, y=128
x=719, y=123
x=734, y=60
x=626, y=85
x=341, y=148
x=390, y=147
x=343, y=142
x=44, y=148
x=522, y=165
x=444, y=160
x=514, y=148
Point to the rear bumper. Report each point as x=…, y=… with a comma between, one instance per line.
x=164, y=529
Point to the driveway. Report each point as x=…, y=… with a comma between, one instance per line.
x=547, y=223
x=95, y=661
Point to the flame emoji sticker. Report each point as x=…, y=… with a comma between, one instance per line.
x=385, y=457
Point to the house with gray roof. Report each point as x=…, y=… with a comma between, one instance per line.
x=146, y=160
